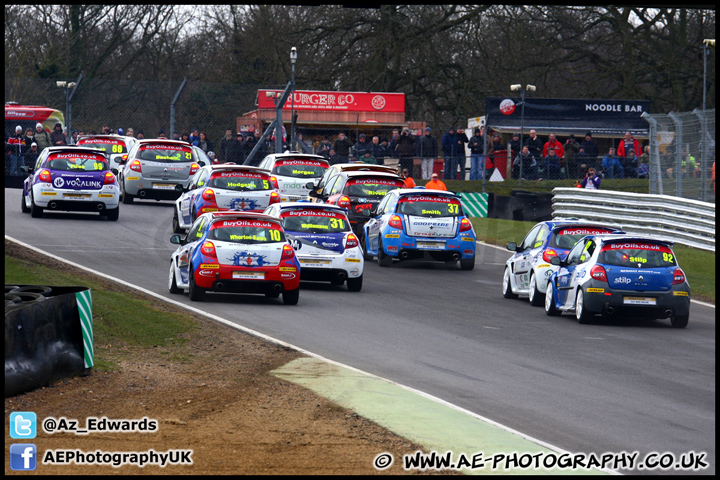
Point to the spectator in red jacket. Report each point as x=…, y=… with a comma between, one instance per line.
x=553, y=143
x=626, y=144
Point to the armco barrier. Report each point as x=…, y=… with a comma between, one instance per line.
x=684, y=221
x=48, y=335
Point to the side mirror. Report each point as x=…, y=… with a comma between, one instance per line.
x=179, y=188
x=24, y=169
x=201, y=163
x=114, y=171
x=177, y=240
x=310, y=185
x=512, y=246
x=556, y=261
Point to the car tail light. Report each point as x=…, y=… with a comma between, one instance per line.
x=465, y=225
x=288, y=253
x=274, y=198
x=598, y=273
x=135, y=166
x=194, y=168
x=45, y=176
x=344, y=202
x=351, y=241
x=549, y=254
x=273, y=180
x=678, y=276
x=109, y=178
x=124, y=157
x=208, y=249
x=208, y=195
x=395, y=222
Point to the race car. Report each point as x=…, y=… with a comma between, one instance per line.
x=154, y=167
x=323, y=241
x=527, y=270
x=70, y=178
x=292, y=171
x=359, y=192
x=221, y=187
x=635, y=275
x=415, y=223
x=116, y=147
x=235, y=252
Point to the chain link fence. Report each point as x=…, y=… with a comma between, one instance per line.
x=682, y=153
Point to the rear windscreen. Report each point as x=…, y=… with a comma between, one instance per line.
x=566, y=238
x=300, y=168
x=246, y=231
x=371, y=187
x=106, y=145
x=240, y=181
x=429, y=206
x=314, y=221
x=637, y=254
x=166, y=153
x=70, y=162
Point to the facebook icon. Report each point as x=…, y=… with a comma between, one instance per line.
x=23, y=456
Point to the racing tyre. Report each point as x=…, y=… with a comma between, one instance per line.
x=354, y=284
x=176, y=223
x=113, y=214
x=467, y=263
x=536, y=298
x=679, y=321
x=291, y=297
x=581, y=313
x=172, y=284
x=197, y=294
x=384, y=259
x=366, y=256
x=507, y=288
x=23, y=206
x=550, y=308
x=127, y=198
x=35, y=211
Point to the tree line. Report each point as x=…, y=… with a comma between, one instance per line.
x=445, y=58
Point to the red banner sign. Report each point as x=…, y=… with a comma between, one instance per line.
x=335, y=101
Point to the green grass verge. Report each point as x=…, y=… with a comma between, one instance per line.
x=698, y=265
x=119, y=319
x=505, y=187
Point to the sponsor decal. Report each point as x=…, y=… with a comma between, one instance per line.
x=132, y=178
x=391, y=235
x=77, y=182
x=622, y=280
x=289, y=276
x=681, y=294
x=375, y=181
x=635, y=246
x=467, y=252
x=544, y=265
x=406, y=244
x=311, y=163
x=431, y=224
x=583, y=231
x=243, y=204
x=391, y=248
x=239, y=174
x=426, y=198
x=88, y=156
x=244, y=223
x=207, y=273
x=294, y=186
x=249, y=259
x=49, y=193
x=311, y=213
x=210, y=265
x=596, y=290
x=507, y=107
x=354, y=260
x=468, y=239
x=288, y=269
x=106, y=195
x=157, y=146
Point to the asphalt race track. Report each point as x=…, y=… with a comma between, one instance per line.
x=612, y=386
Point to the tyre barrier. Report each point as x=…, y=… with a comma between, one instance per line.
x=48, y=335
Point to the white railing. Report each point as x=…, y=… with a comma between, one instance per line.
x=684, y=221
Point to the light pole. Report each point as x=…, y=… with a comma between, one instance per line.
x=515, y=88
x=293, y=59
x=68, y=105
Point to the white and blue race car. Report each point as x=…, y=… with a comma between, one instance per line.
x=70, y=178
x=619, y=274
x=323, y=240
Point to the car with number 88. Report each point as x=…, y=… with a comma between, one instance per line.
x=619, y=275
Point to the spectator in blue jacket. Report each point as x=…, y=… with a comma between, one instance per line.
x=552, y=165
x=450, y=145
x=611, y=165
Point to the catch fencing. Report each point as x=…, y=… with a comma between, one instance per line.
x=682, y=153
x=685, y=221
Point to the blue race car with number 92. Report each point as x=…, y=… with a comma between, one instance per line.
x=617, y=275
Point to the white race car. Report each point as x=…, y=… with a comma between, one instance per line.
x=324, y=243
x=293, y=171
